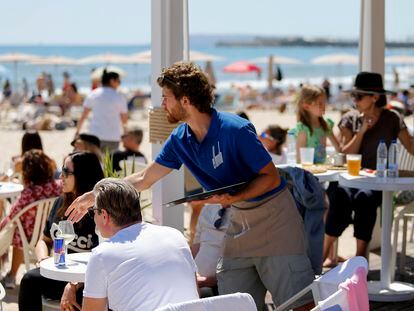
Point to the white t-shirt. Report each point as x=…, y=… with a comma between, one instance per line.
x=210, y=238
x=142, y=267
x=107, y=104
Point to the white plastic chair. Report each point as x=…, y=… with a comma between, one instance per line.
x=232, y=302
x=43, y=208
x=405, y=162
x=2, y=295
x=327, y=284
x=338, y=298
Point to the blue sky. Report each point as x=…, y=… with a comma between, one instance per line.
x=128, y=21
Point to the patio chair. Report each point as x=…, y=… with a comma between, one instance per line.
x=2, y=295
x=327, y=284
x=232, y=302
x=352, y=294
x=406, y=163
x=43, y=208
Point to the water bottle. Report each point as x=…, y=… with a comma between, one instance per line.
x=291, y=148
x=382, y=156
x=393, y=160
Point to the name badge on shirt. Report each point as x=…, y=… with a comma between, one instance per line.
x=217, y=158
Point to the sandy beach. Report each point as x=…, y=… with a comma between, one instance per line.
x=57, y=143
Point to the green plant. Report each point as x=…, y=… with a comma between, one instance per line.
x=109, y=171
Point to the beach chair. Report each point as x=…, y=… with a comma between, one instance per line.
x=232, y=302
x=327, y=284
x=43, y=208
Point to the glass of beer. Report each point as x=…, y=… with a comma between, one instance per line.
x=354, y=164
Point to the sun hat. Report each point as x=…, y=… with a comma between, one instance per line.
x=368, y=83
x=92, y=139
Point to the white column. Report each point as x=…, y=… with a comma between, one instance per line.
x=166, y=48
x=372, y=34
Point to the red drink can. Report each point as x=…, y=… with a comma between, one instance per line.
x=59, y=251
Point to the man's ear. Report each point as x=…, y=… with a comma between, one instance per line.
x=105, y=216
x=185, y=101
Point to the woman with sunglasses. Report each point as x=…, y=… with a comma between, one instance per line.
x=80, y=172
x=361, y=131
x=273, y=138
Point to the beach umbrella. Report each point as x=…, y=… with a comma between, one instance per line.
x=277, y=59
x=336, y=59
x=399, y=59
x=55, y=61
x=98, y=72
x=242, y=67
x=16, y=58
x=210, y=72
x=106, y=58
x=195, y=56
x=339, y=60
x=270, y=75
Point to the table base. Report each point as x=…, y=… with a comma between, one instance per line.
x=397, y=291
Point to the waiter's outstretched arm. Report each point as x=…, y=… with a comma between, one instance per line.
x=141, y=181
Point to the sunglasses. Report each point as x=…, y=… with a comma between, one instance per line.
x=358, y=96
x=265, y=135
x=219, y=221
x=91, y=211
x=66, y=172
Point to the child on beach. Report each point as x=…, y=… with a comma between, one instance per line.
x=313, y=128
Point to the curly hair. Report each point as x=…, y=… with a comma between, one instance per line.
x=187, y=79
x=37, y=168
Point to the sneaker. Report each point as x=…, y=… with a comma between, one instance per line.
x=10, y=281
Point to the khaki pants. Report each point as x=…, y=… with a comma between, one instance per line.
x=282, y=276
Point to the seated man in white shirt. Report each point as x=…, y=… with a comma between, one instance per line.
x=208, y=245
x=141, y=266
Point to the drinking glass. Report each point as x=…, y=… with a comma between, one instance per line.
x=354, y=164
x=66, y=231
x=307, y=155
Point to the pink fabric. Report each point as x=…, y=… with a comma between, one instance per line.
x=357, y=290
x=30, y=195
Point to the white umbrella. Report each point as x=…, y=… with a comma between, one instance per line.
x=195, y=56
x=107, y=58
x=336, y=59
x=54, y=60
x=399, y=59
x=16, y=58
x=98, y=72
x=277, y=59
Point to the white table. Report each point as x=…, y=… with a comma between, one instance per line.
x=10, y=190
x=384, y=290
x=328, y=176
x=73, y=271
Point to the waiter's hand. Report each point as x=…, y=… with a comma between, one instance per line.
x=223, y=199
x=80, y=206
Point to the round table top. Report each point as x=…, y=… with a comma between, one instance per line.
x=10, y=189
x=368, y=181
x=73, y=271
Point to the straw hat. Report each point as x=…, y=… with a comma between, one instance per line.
x=368, y=83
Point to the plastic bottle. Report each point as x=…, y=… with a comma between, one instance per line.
x=382, y=156
x=291, y=148
x=393, y=160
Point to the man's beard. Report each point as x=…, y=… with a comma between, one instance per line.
x=176, y=116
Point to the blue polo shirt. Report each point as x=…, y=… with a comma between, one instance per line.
x=230, y=153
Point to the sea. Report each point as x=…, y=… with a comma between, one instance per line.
x=139, y=75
